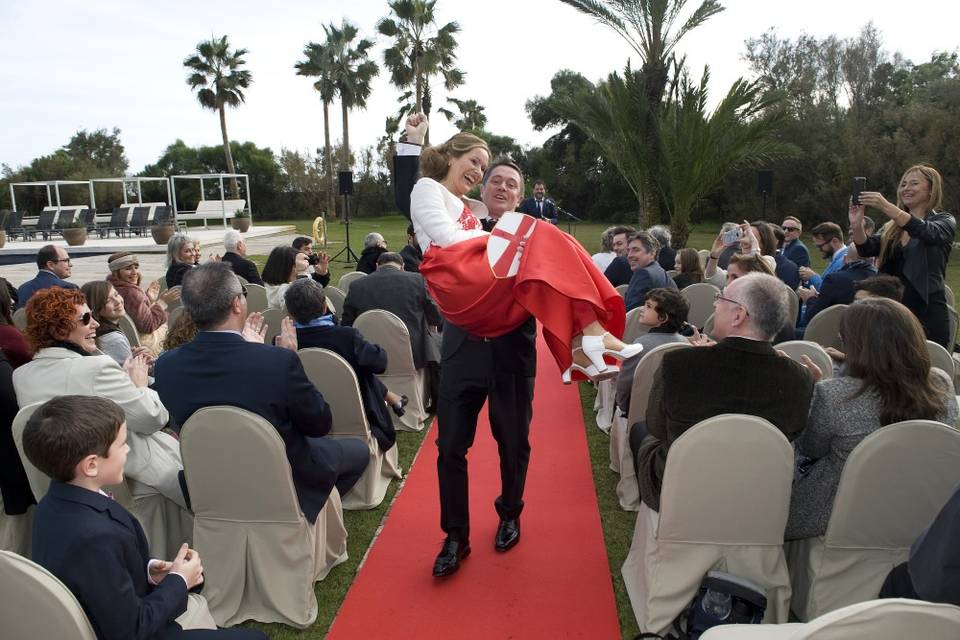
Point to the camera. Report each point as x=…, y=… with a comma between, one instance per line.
x=731, y=237
x=313, y=259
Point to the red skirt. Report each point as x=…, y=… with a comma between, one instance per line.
x=557, y=283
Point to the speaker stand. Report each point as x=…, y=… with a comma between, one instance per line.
x=349, y=257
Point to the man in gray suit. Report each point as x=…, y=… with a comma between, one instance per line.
x=404, y=294
x=647, y=273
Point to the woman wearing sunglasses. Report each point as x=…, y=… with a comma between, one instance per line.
x=63, y=334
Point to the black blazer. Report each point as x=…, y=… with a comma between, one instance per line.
x=14, y=487
x=412, y=257
x=787, y=270
x=529, y=206
x=175, y=273
x=242, y=267
x=225, y=369
x=618, y=272
x=98, y=550
x=404, y=294
x=667, y=258
x=645, y=278
x=926, y=254
x=837, y=288
x=368, y=259
x=735, y=376
x=367, y=359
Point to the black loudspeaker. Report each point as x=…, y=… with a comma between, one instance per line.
x=346, y=183
x=765, y=181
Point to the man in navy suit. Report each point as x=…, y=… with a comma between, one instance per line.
x=55, y=267
x=228, y=364
x=838, y=287
x=91, y=543
x=540, y=206
x=647, y=272
x=793, y=247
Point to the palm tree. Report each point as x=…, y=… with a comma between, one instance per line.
x=420, y=50
x=648, y=27
x=472, y=116
x=351, y=73
x=318, y=65
x=219, y=81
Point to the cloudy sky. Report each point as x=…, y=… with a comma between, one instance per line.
x=66, y=66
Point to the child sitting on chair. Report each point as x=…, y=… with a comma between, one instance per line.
x=94, y=545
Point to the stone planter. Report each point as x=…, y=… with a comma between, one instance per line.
x=162, y=233
x=3, y=238
x=75, y=237
x=241, y=224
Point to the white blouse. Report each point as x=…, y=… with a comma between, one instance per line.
x=435, y=213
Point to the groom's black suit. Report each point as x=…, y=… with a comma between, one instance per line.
x=474, y=369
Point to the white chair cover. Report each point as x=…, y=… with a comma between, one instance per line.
x=724, y=505
x=796, y=348
x=338, y=383
x=824, y=329
x=347, y=278
x=703, y=253
x=256, y=298
x=605, y=405
x=34, y=604
x=273, y=318
x=941, y=358
x=260, y=555
x=387, y=330
x=129, y=329
x=622, y=289
x=890, y=619
x=335, y=298
x=892, y=486
x=15, y=531
x=20, y=319
x=632, y=329
x=628, y=493
x=700, y=296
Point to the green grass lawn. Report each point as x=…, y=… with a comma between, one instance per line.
x=617, y=524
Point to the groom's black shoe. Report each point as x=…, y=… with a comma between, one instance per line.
x=508, y=534
x=448, y=561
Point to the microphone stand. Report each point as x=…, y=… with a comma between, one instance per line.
x=571, y=219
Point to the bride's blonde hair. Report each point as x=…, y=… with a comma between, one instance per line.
x=435, y=161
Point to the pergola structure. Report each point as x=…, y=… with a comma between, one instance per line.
x=51, y=195
x=219, y=177
x=124, y=181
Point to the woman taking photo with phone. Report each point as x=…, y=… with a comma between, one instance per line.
x=914, y=245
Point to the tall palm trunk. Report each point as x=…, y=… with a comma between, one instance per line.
x=328, y=162
x=234, y=189
x=654, y=85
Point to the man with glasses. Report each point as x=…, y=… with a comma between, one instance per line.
x=793, y=247
x=55, y=267
x=741, y=373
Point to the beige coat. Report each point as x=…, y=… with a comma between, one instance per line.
x=154, y=457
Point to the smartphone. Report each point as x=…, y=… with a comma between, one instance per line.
x=731, y=237
x=857, y=185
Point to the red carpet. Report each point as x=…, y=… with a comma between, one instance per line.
x=554, y=584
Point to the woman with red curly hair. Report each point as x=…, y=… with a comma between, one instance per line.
x=63, y=332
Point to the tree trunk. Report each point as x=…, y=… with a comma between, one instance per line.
x=328, y=163
x=234, y=189
x=679, y=230
x=427, y=107
x=654, y=78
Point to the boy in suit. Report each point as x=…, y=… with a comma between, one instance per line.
x=94, y=545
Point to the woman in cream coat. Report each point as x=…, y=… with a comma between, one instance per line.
x=62, y=332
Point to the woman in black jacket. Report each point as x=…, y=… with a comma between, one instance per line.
x=914, y=245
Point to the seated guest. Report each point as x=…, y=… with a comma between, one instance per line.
x=228, y=364
x=147, y=309
x=62, y=331
x=316, y=328
x=54, y=268
x=284, y=264
x=838, y=287
x=786, y=269
x=183, y=254
x=932, y=572
x=405, y=295
x=664, y=312
x=605, y=256
x=373, y=246
x=793, y=248
x=618, y=272
x=726, y=251
x=879, y=286
x=106, y=305
x=235, y=255
x=647, y=272
x=14, y=486
x=748, y=255
x=667, y=255
x=687, y=266
x=91, y=543
x=411, y=252
x=742, y=373
x=182, y=331
x=888, y=379
x=12, y=342
x=319, y=261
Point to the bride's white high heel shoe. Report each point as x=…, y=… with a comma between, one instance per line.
x=594, y=349
x=593, y=372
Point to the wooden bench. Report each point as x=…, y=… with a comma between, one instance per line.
x=212, y=210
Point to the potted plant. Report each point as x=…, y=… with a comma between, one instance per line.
x=241, y=220
x=3, y=227
x=162, y=232
x=75, y=233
